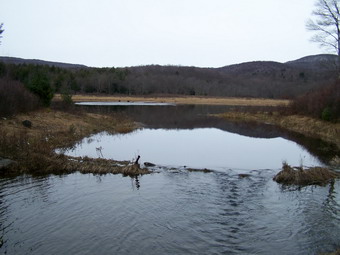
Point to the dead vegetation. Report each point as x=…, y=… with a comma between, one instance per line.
x=33, y=149
x=337, y=252
x=303, y=177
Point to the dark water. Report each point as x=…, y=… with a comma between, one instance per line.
x=175, y=211
x=167, y=213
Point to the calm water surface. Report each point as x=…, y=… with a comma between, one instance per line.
x=174, y=211
x=198, y=148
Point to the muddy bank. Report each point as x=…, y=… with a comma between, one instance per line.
x=32, y=147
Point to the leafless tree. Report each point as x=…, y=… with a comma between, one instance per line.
x=326, y=24
x=1, y=30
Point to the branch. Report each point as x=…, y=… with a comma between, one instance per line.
x=323, y=42
x=315, y=27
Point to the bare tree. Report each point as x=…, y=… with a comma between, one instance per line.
x=326, y=24
x=1, y=31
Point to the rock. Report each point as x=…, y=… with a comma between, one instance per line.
x=27, y=123
x=244, y=175
x=148, y=164
x=205, y=170
x=5, y=163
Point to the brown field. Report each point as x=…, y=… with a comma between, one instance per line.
x=232, y=101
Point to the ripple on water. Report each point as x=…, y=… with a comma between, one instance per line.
x=171, y=213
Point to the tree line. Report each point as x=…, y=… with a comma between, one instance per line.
x=263, y=79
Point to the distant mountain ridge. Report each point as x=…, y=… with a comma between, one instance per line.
x=265, y=79
x=322, y=61
x=316, y=61
x=17, y=61
x=310, y=62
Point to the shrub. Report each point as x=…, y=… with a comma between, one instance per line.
x=66, y=97
x=323, y=103
x=39, y=85
x=326, y=114
x=15, y=98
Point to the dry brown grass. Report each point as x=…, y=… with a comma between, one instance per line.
x=337, y=252
x=232, y=101
x=303, y=177
x=33, y=148
x=326, y=131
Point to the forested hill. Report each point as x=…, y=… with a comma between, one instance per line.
x=252, y=79
x=17, y=61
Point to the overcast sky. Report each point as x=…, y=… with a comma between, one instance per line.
x=204, y=33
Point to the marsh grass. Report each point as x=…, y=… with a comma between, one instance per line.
x=234, y=101
x=303, y=177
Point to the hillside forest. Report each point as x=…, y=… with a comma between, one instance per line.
x=261, y=79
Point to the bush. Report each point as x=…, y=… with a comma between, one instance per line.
x=39, y=85
x=323, y=103
x=66, y=98
x=15, y=98
x=326, y=114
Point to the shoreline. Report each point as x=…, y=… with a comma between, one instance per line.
x=326, y=131
x=32, y=149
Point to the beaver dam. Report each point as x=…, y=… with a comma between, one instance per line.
x=210, y=191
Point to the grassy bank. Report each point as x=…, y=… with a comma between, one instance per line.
x=181, y=100
x=32, y=148
x=308, y=126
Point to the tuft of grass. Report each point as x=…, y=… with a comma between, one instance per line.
x=303, y=177
x=337, y=252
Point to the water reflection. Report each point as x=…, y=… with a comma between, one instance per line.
x=136, y=182
x=197, y=116
x=209, y=148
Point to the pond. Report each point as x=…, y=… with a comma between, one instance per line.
x=198, y=148
x=173, y=210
